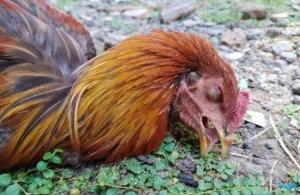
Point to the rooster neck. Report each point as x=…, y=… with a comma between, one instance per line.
x=124, y=103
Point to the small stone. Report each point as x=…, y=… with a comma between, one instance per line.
x=137, y=13
x=254, y=33
x=273, y=32
x=248, y=145
x=282, y=46
x=268, y=146
x=257, y=161
x=296, y=100
x=214, y=41
x=280, y=63
x=235, y=38
x=235, y=56
x=289, y=57
x=173, y=13
x=283, y=22
x=296, y=7
x=191, y=23
x=268, y=106
x=296, y=88
x=277, y=16
x=298, y=51
x=112, y=39
x=292, y=132
x=252, y=10
x=250, y=126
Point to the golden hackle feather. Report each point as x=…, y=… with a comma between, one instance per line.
x=110, y=107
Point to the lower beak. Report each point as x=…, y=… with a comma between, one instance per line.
x=225, y=142
x=205, y=145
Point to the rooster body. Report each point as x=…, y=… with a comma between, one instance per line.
x=55, y=92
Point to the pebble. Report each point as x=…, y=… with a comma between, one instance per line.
x=298, y=51
x=296, y=100
x=268, y=146
x=171, y=14
x=252, y=10
x=250, y=126
x=214, y=40
x=268, y=106
x=282, y=46
x=235, y=56
x=137, y=13
x=257, y=161
x=292, y=132
x=289, y=57
x=273, y=32
x=254, y=33
x=191, y=23
x=280, y=63
x=296, y=87
x=248, y=145
x=282, y=22
x=235, y=38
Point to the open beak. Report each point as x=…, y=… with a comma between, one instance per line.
x=208, y=136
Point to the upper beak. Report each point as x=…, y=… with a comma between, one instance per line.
x=207, y=140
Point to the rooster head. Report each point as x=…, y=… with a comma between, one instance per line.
x=208, y=99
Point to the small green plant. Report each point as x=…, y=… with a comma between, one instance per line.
x=132, y=177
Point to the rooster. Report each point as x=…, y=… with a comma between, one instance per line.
x=56, y=93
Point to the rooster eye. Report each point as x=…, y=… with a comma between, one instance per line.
x=214, y=94
x=192, y=77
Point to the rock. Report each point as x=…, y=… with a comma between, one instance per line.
x=280, y=63
x=209, y=24
x=248, y=145
x=254, y=33
x=298, y=51
x=235, y=56
x=296, y=87
x=296, y=99
x=214, y=41
x=292, y=132
x=289, y=57
x=268, y=106
x=273, y=32
x=191, y=23
x=281, y=19
x=257, y=161
x=281, y=46
x=250, y=126
x=282, y=22
x=296, y=7
x=137, y=13
x=173, y=13
x=252, y=10
x=235, y=38
x=112, y=39
x=268, y=146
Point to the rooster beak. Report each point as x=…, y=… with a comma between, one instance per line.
x=226, y=142
x=207, y=140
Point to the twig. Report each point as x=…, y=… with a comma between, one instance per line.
x=271, y=175
x=239, y=155
x=278, y=137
